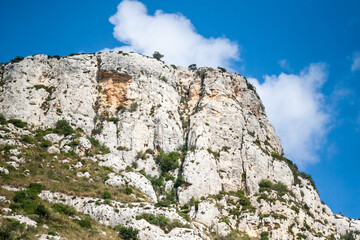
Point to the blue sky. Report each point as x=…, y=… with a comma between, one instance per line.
x=306, y=53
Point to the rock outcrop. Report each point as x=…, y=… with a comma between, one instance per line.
x=197, y=141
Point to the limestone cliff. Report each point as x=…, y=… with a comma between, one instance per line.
x=196, y=143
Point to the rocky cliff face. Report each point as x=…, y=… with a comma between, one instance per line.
x=196, y=143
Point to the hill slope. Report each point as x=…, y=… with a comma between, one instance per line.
x=136, y=143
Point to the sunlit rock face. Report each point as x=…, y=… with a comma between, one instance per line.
x=140, y=107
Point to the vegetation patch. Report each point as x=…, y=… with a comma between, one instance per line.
x=98, y=148
x=13, y=229
x=127, y=232
x=46, y=88
x=28, y=139
x=215, y=154
x=64, y=209
x=222, y=69
x=17, y=59
x=264, y=236
x=63, y=128
x=280, y=188
x=17, y=123
x=168, y=161
x=161, y=221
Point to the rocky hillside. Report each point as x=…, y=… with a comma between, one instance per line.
x=151, y=150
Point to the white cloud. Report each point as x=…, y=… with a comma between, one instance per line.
x=284, y=64
x=173, y=35
x=295, y=106
x=356, y=62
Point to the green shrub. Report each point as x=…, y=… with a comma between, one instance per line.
x=280, y=188
x=128, y=190
x=122, y=148
x=2, y=119
x=12, y=229
x=169, y=177
x=26, y=200
x=170, y=198
x=262, y=196
x=161, y=221
x=348, y=236
x=179, y=181
x=164, y=79
x=244, y=201
x=150, y=151
x=84, y=223
x=141, y=155
x=127, y=233
x=114, y=120
x=134, y=164
x=222, y=69
x=168, y=161
x=157, y=55
x=106, y=195
x=55, y=56
x=64, y=209
x=94, y=141
x=7, y=148
x=215, y=154
x=46, y=88
x=192, y=67
x=265, y=184
x=250, y=86
x=35, y=188
x=121, y=108
x=28, y=139
x=133, y=107
x=236, y=235
x=17, y=59
x=301, y=236
x=17, y=123
x=42, y=212
x=46, y=144
x=102, y=149
x=74, y=144
x=63, y=127
x=251, y=133
x=264, y=236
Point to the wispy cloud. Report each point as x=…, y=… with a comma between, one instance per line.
x=173, y=35
x=296, y=107
x=356, y=62
x=284, y=64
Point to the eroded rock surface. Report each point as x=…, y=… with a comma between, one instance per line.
x=138, y=107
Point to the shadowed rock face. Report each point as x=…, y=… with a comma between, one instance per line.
x=132, y=103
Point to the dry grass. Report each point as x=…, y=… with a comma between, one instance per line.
x=64, y=226
x=54, y=175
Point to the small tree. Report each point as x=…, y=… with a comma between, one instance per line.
x=17, y=59
x=222, y=69
x=192, y=67
x=63, y=127
x=157, y=55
